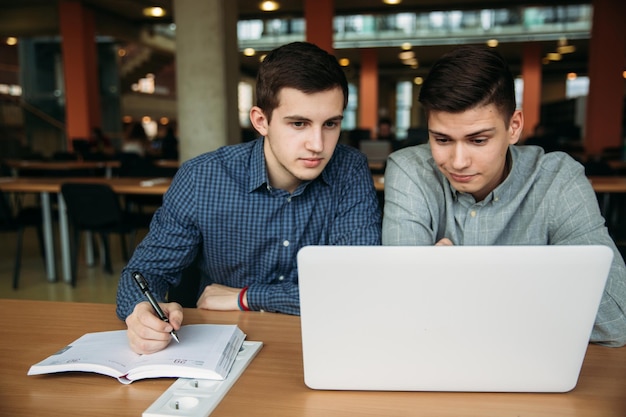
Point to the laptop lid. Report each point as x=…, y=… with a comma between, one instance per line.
x=455, y=318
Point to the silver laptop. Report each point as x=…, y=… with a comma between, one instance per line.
x=459, y=318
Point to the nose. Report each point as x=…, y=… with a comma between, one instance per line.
x=315, y=142
x=460, y=158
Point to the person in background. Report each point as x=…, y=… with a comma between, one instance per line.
x=169, y=144
x=245, y=210
x=100, y=143
x=135, y=140
x=385, y=130
x=470, y=186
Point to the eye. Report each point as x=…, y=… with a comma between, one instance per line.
x=441, y=139
x=479, y=141
x=331, y=124
x=298, y=124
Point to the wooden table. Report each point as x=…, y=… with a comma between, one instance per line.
x=614, y=185
x=618, y=166
x=45, y=186
x=18, y=165
x=271, y=386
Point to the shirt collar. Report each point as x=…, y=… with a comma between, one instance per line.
x=258, y=171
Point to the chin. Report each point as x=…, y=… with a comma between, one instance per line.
x=309, y=175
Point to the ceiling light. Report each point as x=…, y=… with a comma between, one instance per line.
x=563, y=47
x=11, y=41
x=249, y=52
x=269, y=6
x=571, y=76
x=406, y=46
x=406, y=55
x=492, y=43
x=566, y=49
x=344, y=62
x=418, y=80
x=154, y=11
x=392, y=1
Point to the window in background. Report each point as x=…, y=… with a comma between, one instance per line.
x=245, y=103
x=349, y=115
x=576, y=87
x=519, y=92
x=404, y=99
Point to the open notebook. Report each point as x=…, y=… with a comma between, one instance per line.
x=460, y=318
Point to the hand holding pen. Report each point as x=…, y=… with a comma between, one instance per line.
x=143, y=286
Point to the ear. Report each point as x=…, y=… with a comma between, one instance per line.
x=258, y=120
x=515, y=127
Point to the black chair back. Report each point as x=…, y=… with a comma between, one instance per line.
x=92, y=206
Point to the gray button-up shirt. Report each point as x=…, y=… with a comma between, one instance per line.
x=546, y=199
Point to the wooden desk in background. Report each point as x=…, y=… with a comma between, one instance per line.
x=618, y=166
x=271, y=386
x=45, y=186
x=18, y=165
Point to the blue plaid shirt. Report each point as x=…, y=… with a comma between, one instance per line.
x=221, y=203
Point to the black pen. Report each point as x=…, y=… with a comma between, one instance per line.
x=143, y=286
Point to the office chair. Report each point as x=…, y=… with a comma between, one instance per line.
x=12, y=220
x=96, y=208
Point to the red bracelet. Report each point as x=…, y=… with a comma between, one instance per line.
x=240, y=303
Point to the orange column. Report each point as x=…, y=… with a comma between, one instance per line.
x=531, y=74
x=82, y=99
x=368, y=94
x=605, y=101
x=318, y=15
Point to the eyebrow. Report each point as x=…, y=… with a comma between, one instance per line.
x=469, y=135
x=295, y=117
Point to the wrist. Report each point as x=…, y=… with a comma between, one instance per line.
x=242, y=299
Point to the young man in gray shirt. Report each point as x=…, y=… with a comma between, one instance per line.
x=471, y=186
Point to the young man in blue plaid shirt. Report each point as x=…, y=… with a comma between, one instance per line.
x=245, y=210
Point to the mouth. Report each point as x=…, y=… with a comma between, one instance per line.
x=311, y=162
x=462, y=178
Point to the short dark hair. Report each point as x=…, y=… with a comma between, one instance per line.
x=469, y=77
x=299, y=65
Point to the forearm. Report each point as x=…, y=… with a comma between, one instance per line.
x=161, y=258
x=584, y=225
x=128, y=294
x=278, y=298
x=408, y=215
x=610, y=326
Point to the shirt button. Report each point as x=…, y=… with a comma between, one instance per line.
x=285, y=243
x=281, y=278
x=473, y=213
x=289, y=199
x=496, y=199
